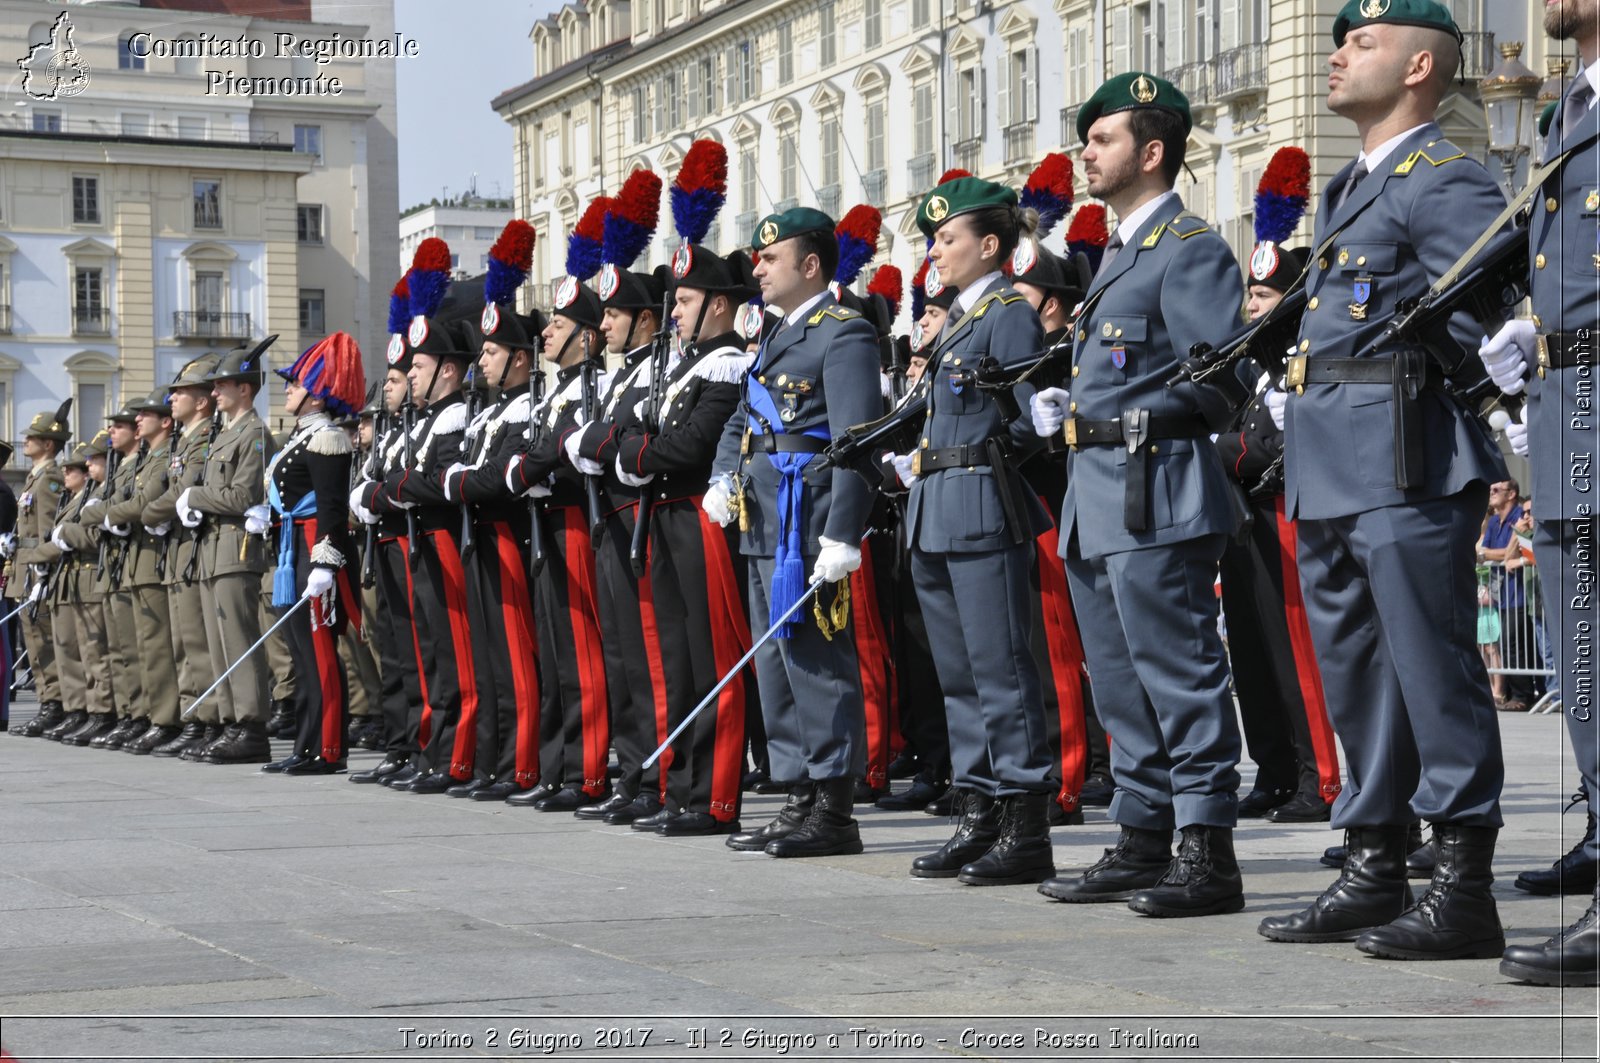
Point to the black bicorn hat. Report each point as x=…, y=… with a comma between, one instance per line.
x=577, y=302
x=1044, y=269
x=697, y=266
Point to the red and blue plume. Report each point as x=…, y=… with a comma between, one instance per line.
x=951, y=175
x=1088, y=233
x=699, y=190
x=632, y=220
x=857, y=236
x=510, y=259
x=1049, y=191
x=331, y=370
x=583, y=246
x=918, y=293
x=429, y=277
x=887, y=282
x=1282, y=195
x=400, y=305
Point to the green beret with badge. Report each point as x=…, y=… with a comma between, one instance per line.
x=796, y=221
x=1134, y=91
x=1425, y=13
x=961, y=195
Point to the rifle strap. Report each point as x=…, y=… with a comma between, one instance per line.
x=1535, y=182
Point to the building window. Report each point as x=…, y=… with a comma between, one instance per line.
x=85, y=200
x=484, y=232
x=88, y=300
x=788, y=165
x=708, y=85
x=1019, y=94
x=311, y=316
x=127, y=58
x=662, y=129
x=921, y=12
x=830, y=150
x=308, y=139
x=785, y=53
x=207, y=203
x=749, y=187
x=872, y=13
x=922, y=119
x=135, y=124
x=741, y=74
x=308, y=223
x=877, y=153
x=90, y=408
x=47, y=121
x=641, y=115
x=208, y=300
x=828, y=45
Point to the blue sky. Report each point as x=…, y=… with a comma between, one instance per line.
x=469, y=54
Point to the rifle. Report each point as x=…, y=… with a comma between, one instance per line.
x=660, y=352
x=897, y=373
x=590, y=383
x=1265, y=340
x=467, y=541
x=55, y=566
x=113, y=463
x=124, y=543
x=408, y=451
x=369, y=545
x=537, y=550
x=166, y=481
x=194, y=532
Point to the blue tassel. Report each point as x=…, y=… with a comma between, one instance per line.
x=788, y=583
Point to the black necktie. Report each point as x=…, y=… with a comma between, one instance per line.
x=1577, y=106
x=1356, y=177
x=1112, y=247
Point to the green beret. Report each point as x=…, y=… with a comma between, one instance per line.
x=1134, y=91
x=796, y=221
x=1425, y=13
x=959, y=196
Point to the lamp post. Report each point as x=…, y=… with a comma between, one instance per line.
x=1550, y=92
x=1509, y=92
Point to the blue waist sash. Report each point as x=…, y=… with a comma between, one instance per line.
x=788, y=558
x=283, y=584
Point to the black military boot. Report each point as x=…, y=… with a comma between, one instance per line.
x=247, y=744
x=122, y=727
x=280, y=724
x=1136, y=862
x=179, y=742
x=600, y=809
x=1370, y=891
x=133, y=732
x=647, y=804
x=97, y=725
x=1456, y=918
x=790, y=817
x=1419, y=854
x=1306, y=806
x=152, y=737
x=976, y=832
x=1022, y=852
x=49, y=714
x=210, y=735
x=828, y=829
x=925, y=787
x=1571, y=958
x=68, y=723
x=1573, y=873
x=1203, y=879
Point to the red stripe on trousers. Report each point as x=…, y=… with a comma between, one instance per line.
x=877, y=670
x=1305, y=659
x=455, y=607
x=516, y=613
x=584, y=615
x=324, y=630
x=1065, y=649
x=730, y=640
x=658, y=672
x=425, y=728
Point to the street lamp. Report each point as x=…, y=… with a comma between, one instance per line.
x=1509, y=93
x=1554, y=85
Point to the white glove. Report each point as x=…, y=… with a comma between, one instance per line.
x=718, y=500
x=158, y=530
x=1049, y=410
x=363, y=514
x=319, y=583
x=8, y=544
x=835, y=561
x=121, y=531
x=1506, y=357
x=629, y=478
x=188, y=516
x=449, y=475
x=584, y=465
x=1274, y=399
x=60, y=541
x=37, y=594
x=514, y=480
x=257, y=519
x=90, y=506
x=902, y=465
x=1517, y=436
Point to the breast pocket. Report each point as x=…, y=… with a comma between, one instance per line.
x=794, y=396
x=1121, y=339
x=1368, y=258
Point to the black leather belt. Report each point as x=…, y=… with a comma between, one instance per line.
x=784, y=443
x=1303, y=369
x=1564, y=350
x=965, y=456
x=1133, y=429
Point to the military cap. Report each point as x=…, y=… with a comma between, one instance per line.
x=126, y=415
x=624, y=289
x=6, y=450
x=440, y=337
x=78, y=458
x=156, y=402
x=100, y=445
x=577, y=302
x=1424, y=13
x=51, y=425
x=1042, y=268
x=243, y=364
x=936, y=292
x=1134, y=91
x=697, y=266
x=960, y=196
x=796, y=221
x=1276, y=267
x=195, y=372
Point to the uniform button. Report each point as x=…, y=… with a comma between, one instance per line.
x=1538, y=263
x=1312, y=305
x=1119, y=334
x=1154, y=448
x=1072, y=407
x=1305, y=345
x=1538, y=322
x=1082, y=335
x=958, y=361
x=1362, y=261
x=1074, y=370
x=1322, y=263
x=761, y=379
x=1552, y=204
x=924, y=442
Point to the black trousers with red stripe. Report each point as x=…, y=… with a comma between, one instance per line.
x=696, y=573
x=1275, y=675
x=399, y=669
x=574, y=726
x=635, y=686
x=449, y=673
x=505, y=655
x=872, y=602
x=322, y=690
x=1058, y=651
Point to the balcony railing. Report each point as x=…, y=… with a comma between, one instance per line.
x=1478, y=55
x=210, y=324
x=744, y=226
x=1069, y=124
x=103, y=129
x=1193, y=80
x=969, y=154
x=785, y=204
x=1241, y=71
x=1019, y=142
x=90, y=321
x=875, y=187
x=5, y=318
x=829, y=199
x=920, y=173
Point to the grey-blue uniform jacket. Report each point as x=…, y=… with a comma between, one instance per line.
x=960, y=509
x=1173, y=285
x=1397, y=233
x=823, y=368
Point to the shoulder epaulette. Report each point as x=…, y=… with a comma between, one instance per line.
x=1186, y=225
x=1000, y=295
x=1437, y=153
x=331, y=441
x=519, y=409
x=837, y=312
x=451, y=419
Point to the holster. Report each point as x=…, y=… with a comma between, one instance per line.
x=1410, y=375
x=1006, y=481
x=1135, y=494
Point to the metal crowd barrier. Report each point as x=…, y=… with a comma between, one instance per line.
x=1515, y=593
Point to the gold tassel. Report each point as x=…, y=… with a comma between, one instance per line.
x=834, y=620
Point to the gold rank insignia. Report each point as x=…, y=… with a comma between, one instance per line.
x=1344, y=257
x=769, y=231
x=1374, y=8
x=937, y=209
x=1592, y=200
x=1142, y=89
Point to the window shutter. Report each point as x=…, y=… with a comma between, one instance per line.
x=694, y=91
x=1030, y=86
x=1007, y=62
